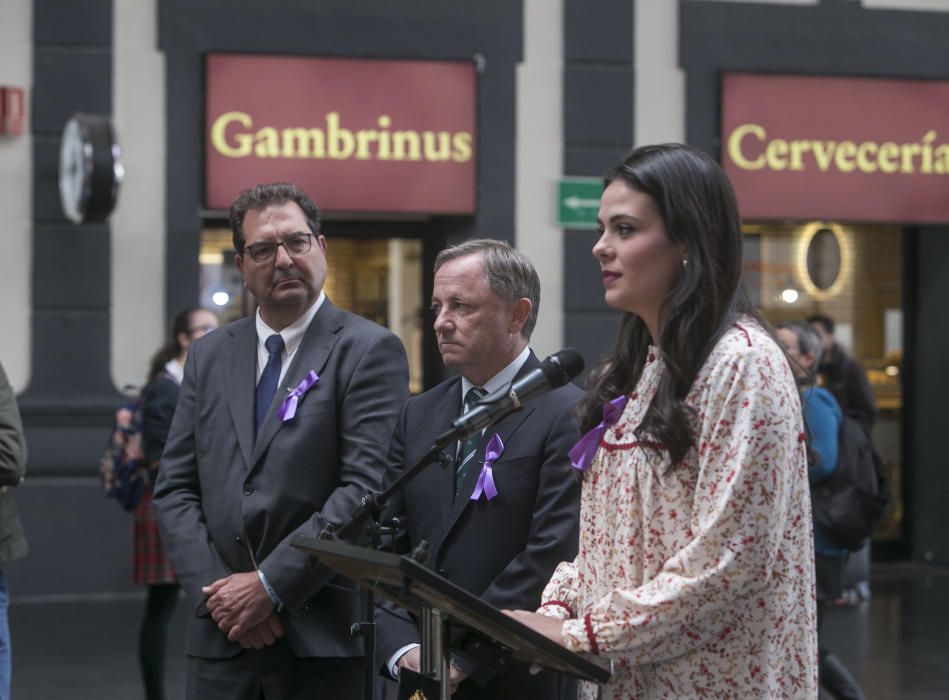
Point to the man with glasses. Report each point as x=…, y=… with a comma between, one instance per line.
x=282, y=424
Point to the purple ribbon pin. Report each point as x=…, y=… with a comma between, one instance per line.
x=581, y=455
x=486, y=477
x=288, y=409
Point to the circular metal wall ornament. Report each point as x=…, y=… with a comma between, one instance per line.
x=90, y=168
x=823, y=259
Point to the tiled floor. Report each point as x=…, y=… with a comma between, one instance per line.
x=897, y=644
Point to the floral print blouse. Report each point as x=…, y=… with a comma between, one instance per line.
x=699, y=582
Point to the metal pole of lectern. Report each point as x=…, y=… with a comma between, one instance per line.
x=434, y=629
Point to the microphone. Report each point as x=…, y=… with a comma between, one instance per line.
x=555, y=371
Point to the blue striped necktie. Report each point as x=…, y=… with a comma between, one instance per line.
x=267, y=385
x=470, y=446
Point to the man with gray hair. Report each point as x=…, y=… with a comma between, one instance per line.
x=505, y=513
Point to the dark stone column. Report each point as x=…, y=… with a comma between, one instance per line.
x=67, y=406
x=598, y=131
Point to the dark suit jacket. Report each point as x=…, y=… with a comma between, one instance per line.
x=846, y=379
x=158, y=409
x=220, y=493
x=503, y=550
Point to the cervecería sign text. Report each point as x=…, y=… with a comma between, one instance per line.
x=837, y=148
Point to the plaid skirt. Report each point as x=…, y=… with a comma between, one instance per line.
x=150, y=565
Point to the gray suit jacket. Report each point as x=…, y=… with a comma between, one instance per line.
x=220, y=493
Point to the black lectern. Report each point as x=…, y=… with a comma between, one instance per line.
x=438, y=602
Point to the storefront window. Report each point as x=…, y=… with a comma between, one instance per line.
x=852, y=274
x=380, y=279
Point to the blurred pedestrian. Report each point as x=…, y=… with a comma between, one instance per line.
x=843, y=376
x=150, y=567
x=823, y=417
x=12, y=540
x=846, y=379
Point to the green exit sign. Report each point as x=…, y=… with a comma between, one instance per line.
x=578, y=201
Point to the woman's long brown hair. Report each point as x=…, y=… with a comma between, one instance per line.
x=698, y=207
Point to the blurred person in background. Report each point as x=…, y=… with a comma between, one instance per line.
x=843, y=376
x=150, y=566
x=12, y=540
x=822, y=416
x=846, y=379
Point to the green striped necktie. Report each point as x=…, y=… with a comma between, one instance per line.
x=470, y=446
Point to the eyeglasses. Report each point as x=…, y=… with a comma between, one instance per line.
x=295, y=244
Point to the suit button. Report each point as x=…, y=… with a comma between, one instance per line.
x=443, y=572
x=248, y=490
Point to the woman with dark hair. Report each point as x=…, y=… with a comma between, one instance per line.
x=823, y=416
x=695, y=570
x=150, y=567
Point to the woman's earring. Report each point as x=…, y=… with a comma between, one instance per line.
x=685, y=262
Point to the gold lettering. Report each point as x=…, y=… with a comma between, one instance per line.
x=303, y=143
x=401, y=139
x=926, y=166
x=798, y=148
x=823, y=152
x=268, y=143
x=775, y=154
x=363, y=138
x=888, y=153
x=909, y=150
x=846, y=150
x=340, y=141
x=433, y=152
x=385, y=147
x=243, y=142
x=942, y=159
x=461, y=147
x=778, y=154
x=336, y=142
x=735, y=143
x=864, y=162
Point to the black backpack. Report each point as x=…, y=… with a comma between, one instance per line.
x=850, y=503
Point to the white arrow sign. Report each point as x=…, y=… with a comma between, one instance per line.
x=580, y=203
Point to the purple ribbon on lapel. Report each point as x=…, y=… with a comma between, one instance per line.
x=486, y=478
x=581, y=455
x=288, y=409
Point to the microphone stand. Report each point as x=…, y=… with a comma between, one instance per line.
x=434, y=633
x=556, y=370
x=370, y=507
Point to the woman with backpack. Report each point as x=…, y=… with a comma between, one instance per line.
x=150, y=567
x=822, y=416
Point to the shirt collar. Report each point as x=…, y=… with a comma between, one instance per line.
x=175, y=370
x=293, y=334
x=502, y=378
